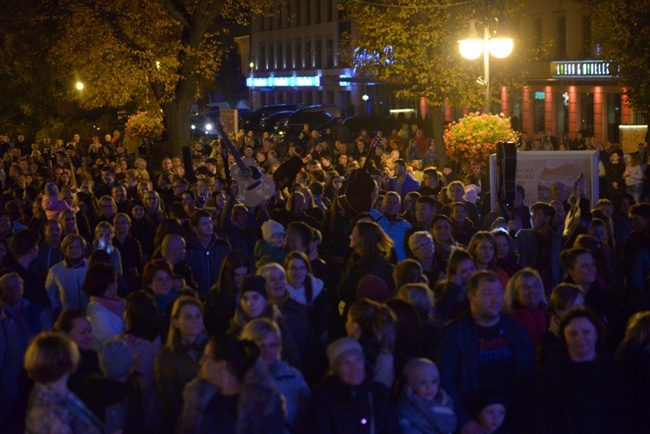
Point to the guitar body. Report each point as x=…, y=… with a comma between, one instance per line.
x=251, y=191
x=253, y=186
x=355, y=195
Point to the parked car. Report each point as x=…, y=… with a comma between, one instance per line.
x=252, y=121
x=270, y=123
x=370, y=123
x=315, y=116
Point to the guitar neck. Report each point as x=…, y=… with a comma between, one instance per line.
x=226, y=140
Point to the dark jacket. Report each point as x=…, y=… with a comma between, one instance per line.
x=457, y=358
x=590, y=397
x=358, y=267
x=205, y=262
x=337, y=408
x=256, y=410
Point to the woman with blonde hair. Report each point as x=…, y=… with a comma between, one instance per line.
x=525, y=302
x=266, y=334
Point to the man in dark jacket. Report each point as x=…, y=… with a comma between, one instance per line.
x=205, y=252
x=483, y=352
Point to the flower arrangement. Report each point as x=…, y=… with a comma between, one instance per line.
x=472, y=139
x=145, y=125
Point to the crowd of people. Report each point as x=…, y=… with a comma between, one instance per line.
x=154, y=301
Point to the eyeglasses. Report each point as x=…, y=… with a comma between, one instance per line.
x=424, y=246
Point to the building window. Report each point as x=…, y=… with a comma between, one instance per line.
x=317, y=12
x=328, y=10
x=287, y=53
x=585, y=37
x=307, y=12
x=318, y=53
x=280, y=51
x=271, y=62
x=561, y=37
x=297, y=56
x=295, y=19
x=329, y=97
x=329, y=53
x=309, y=58
x=261, y=62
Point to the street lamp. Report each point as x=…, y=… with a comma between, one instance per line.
x=473, y=46
x=79, y=85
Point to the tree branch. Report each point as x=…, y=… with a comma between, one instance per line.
x=177, y=10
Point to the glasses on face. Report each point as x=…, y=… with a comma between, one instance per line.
x=425, y=246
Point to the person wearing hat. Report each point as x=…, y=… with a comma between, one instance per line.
x=254, y=303
x=614, y=170
x=347, y=401
x=269, y=247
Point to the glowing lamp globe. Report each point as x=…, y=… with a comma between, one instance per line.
x=501, y=47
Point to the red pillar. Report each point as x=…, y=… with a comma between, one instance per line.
x=573, y=111
x=626, y=111
x=600, y=122
x=549, y=110
x=423, y=107
x=449, y=117
x=527, y=114
x=505, y=109
x=465, y=111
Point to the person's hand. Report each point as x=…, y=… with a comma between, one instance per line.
x=615, y=185
x=472, y=427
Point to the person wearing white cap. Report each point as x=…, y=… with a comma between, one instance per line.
x=269, y=248
x=347, y=401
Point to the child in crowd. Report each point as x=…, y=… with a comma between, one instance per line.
x=269, y=248
x=423, y=406
x=491, y=416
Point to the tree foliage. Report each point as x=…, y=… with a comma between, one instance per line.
x=154, y=52
x=621, y=29
x=414, y=43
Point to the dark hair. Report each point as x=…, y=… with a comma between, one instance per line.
x=240, y=355
x=641, y=209
x=408, y=329
x=23, y=242
x=547, y=209
x=226, y=283
x=197, y=216
x=166, y=227
x=583, y=312
x=151, y=268
x=66, y=320
x=50, y=356
x=480, y=276
x=568, y=257
x=457, y=256
x=376, y=321
x=373, y=238
x=99, y=257
x=145, y=320
x=408, y=271
x=98, y=278
x=303, y=231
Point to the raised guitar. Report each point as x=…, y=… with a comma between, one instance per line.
x=355, y=195
x=254, y=187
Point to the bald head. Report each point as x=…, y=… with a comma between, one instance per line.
x=173, y=248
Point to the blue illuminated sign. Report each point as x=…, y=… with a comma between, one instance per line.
x=306, y=81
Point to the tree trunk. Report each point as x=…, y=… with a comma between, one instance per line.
x=177, y=121
x=441, y=150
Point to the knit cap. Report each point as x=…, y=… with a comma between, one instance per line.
x=340, y=349
x=270, y=228
x=116, y=359
x=254, y=284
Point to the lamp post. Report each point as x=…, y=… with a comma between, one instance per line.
x=472, y=47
